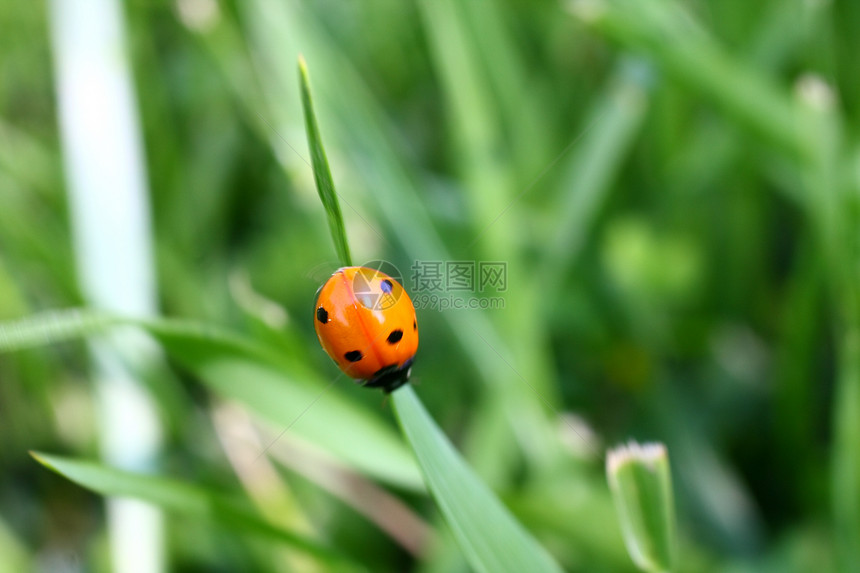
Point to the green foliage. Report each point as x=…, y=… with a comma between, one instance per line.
x=251, y=373
x=672, y=185
x=490, y=537
x=641, y=484
x=183, y=498
x=322, y=173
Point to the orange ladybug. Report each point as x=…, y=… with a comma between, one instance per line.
x=366, y=322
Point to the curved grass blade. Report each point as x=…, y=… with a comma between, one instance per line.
x=186, y=499
x=281, y=391
x=490, y=537
x=322, y=173
x=276, y=388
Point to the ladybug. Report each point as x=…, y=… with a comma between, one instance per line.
x=366, y=322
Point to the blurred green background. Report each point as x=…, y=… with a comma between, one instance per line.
x=672, y=185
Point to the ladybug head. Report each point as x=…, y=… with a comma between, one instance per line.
x=391, y=377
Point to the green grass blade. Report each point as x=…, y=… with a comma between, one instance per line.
x=835, y=213
x=608, y=134
x=846, y=460
x=484, y=161
x=52, y=327
x=490, y=537
x=322, y=173
x=368, y=132
x=672, y=40
x=181, y=498
x=277, y=389
x=522, y=107
x=641, y=486
x=830, y=201
x=283, y=393
x=16, y=556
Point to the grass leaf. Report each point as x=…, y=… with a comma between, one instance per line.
x=490, y=537
x=290, y=396
x=588, y=176
x=322, y=173
x=641, y=485
x=181, y=498
x=488, y=534
x=276, y=388
x=52, y=327
x=662, y=31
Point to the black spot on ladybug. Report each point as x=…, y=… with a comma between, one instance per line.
x=353, y=355
x=395, y=336
x=414, y=325
x=322, y=315
x=386, y=286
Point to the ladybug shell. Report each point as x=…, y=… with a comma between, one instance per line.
x=366, y=322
